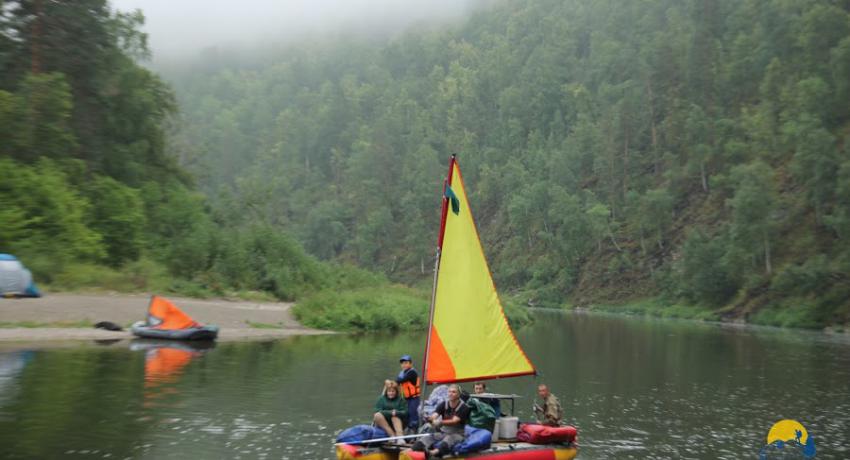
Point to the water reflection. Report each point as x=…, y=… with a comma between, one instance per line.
x=165, y=361
x=11, y=365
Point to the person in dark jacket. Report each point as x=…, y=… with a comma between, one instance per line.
x=481, y=388
x=408, y=380
x=391, y=408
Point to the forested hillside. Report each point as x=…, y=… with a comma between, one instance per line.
x=90, y=196
x=692, y=152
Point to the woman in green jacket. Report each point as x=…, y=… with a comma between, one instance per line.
x=391, y=408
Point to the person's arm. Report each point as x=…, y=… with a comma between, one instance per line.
x=382, y=408
x=538, y=413
x=439, y=411
x=407, y=376
x=401, y=408
x=452, y=421
x=537, y=409
x=433, y=417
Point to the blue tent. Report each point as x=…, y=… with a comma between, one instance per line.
x=15, y=279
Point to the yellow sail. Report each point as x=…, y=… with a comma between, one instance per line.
x=469, y=337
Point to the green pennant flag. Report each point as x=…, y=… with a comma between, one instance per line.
x=450, y=194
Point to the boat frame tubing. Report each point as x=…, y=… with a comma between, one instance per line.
x=388, y=438
x=428, y=340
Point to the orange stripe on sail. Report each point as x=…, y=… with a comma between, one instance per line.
x=439, y=365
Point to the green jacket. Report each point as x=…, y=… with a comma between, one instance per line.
x=482, y=415
x=385, y=406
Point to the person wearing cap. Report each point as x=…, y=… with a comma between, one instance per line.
x=408, y=380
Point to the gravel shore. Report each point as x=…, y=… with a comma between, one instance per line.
x=237, y=319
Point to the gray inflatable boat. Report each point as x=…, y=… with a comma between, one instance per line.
x=141, y=329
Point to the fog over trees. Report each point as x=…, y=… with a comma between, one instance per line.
x=181, y=28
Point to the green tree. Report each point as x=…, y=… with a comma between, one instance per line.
x=179, y=230
x=45, y=109
x=656, y=213
x=754, y=205
x=118, y=215
x=325, y=232
x=704, y=274
x=49, y=216
x=815, y=161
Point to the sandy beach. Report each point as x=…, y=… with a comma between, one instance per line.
x=238, y=319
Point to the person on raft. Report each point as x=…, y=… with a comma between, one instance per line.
x=448, y=420
x=391, y=409
x=550, y=413
x=408, y=380
x=481, y=388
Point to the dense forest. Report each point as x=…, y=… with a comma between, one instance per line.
x=684, y=157
x=92, y=196
x=691, y=152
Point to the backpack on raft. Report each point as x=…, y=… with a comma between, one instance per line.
x=481, y=414
x=474, y=439
x=439, y=394
x=533, y=433
x=360, y=433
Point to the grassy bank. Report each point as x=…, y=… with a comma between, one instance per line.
x=656, y=308
x=377, y=308
x=143, y=275
x=800, y=312
x=791, y=312
x=388, y=307
x=349, y=299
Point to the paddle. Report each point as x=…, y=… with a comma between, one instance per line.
x=391, y=438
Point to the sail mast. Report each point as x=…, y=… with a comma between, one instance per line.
x=443, y=211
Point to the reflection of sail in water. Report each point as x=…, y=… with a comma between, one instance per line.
x=165, y=362
x=164, y=365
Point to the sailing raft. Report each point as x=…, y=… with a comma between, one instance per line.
x=166, y=321
x=469, y=338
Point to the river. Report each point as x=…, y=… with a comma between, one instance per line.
x=635, y=388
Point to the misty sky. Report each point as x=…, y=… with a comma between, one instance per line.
x=181, y=26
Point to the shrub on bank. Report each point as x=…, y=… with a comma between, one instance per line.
x=388, y=307
x=657, y=308
x=385, y=308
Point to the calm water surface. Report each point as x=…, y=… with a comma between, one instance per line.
x=636, y=388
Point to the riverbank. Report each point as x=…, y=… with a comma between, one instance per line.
x=780, y=317
x=70, y=317
x=654, y=308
